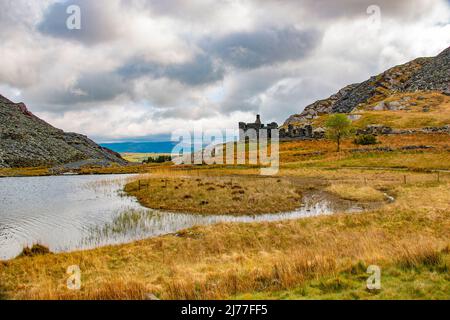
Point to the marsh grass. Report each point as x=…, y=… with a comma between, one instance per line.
x=122, y=224
x=355, y=192
x=235, y=195
x=35, y=250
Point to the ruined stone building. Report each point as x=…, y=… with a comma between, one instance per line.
x=251, y=131
x=302, y=132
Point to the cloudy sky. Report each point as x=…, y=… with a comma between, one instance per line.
x=139, y=69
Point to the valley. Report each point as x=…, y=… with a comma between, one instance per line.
x=227, y=232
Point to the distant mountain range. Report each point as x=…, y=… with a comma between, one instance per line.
x=141, y=147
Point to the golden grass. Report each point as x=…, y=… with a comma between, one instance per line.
x=356, y=193
x=116, y=169
x=437, y=105
x=405, y=120
x=426, y=278
x=217, y=195
x=322, y=154
x=24, y=172
x=324, y=150
x=139, y=157
x=226, y=260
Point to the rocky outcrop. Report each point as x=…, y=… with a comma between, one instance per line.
x=320, y=107
x=27, y=141
x=427, y=74
x=380, y=86
x=434, y=75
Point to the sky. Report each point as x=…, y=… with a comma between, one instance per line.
x=139, y=69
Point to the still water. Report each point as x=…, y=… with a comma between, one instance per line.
x=67, y=213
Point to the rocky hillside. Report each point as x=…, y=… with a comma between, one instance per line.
x=422, y=74
x=27, y=141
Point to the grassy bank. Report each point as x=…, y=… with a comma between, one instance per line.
x=24, y=172
x=217, y=195
x=87, y=170
x=423, y=275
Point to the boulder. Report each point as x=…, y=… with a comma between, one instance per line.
x=380, y=107
x=375, y=129
x=319, y=133
x=354, y=117
x=394, y=106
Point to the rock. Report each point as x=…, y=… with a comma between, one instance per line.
x=354, y=117
x=406, y=99
x=417, y=147
x=434, y=75
x=380, y=107
x=376, y=129
x=320, y=107
x=394, y=106
x=319, y=133
x=444, y=129
x=365, y=150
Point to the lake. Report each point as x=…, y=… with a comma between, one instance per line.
x=67, y=213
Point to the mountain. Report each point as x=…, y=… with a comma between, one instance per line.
x=422, y=74
x=141, y=147
x=27, y=141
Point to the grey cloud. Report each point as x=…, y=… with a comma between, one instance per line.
x=328, y=11
x=307, y=11
x=246, y=50
x=250, y=50
x=246, y=89
x=201, y=70
x=91, y=87
x=193, y=112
